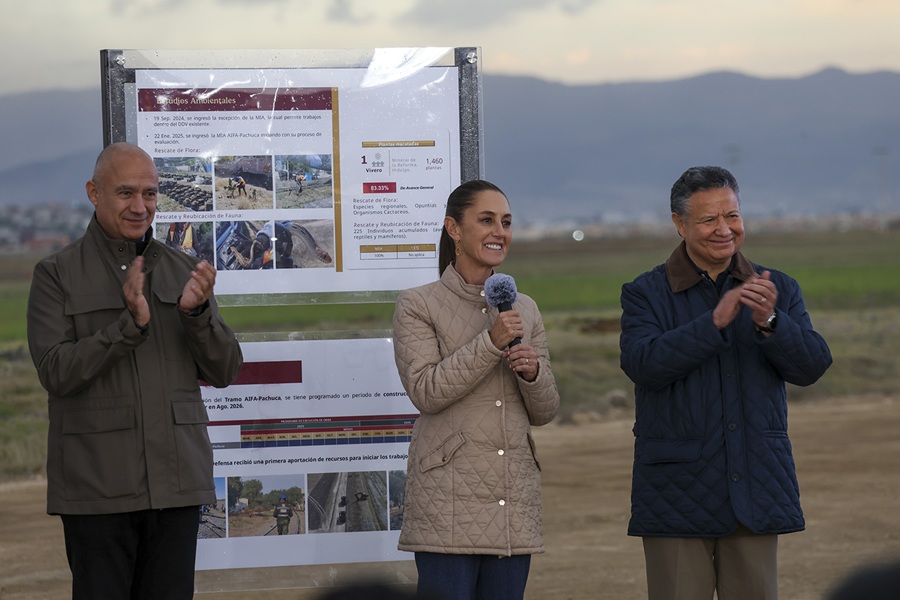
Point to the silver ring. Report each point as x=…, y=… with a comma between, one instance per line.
x=762, y=299
x=526, y=361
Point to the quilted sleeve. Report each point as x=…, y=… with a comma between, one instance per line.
x=433, y=381
x=795, y=350
x=654, y=353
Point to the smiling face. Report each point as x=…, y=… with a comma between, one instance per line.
x=483, y=236
x=713, y=229
x=123, y=192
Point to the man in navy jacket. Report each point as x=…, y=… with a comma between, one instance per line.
x=709, y=340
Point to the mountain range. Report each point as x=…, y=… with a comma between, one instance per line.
x=823, y=144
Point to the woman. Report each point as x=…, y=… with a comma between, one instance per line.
x=472, y=511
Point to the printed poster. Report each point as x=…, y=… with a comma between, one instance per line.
x=307, y=180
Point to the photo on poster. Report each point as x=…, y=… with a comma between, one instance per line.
x=397, y=491
x=304, y=244
x=242, y=245
x=185, y=184
x=212, y=516
x=304, y=181
x=266, y=505
x=348, y=502
x=191, y=237
x=243, y=183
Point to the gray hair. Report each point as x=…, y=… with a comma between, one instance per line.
x=697, y=179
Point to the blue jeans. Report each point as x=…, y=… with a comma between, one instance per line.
x=472, y=576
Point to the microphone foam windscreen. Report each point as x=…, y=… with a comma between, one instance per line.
x=499, y=288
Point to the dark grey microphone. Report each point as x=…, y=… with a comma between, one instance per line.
x=500, y=292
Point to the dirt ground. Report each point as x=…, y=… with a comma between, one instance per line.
x=256, y=197
x=848, y=458
x=262, y=524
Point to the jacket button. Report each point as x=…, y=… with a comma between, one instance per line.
x=732, y=427
x=498, y=403
x=735, y=477
x=443, y=459
x=124, y=267
x=482, y=293
x=484, y=311
x=500, y=452
x=503, y=503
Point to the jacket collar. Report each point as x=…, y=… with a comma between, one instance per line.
x=121, y=252
x=456, y=284
x=683, y=274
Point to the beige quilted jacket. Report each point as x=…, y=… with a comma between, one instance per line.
x=473, y=477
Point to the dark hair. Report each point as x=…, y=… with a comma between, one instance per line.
x=459, y=200
x=871, y=582
x=697, y=179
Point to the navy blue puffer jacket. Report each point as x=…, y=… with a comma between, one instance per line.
x=711, y=443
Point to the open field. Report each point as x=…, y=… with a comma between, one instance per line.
x=850, y=270
x=845, y=428
x=851, y=283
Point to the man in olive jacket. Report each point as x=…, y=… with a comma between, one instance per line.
x=120, y=328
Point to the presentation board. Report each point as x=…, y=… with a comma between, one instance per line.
x=316, y=176
x=302, y=175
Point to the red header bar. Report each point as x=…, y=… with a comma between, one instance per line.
x=286, y=371
x=263, y=99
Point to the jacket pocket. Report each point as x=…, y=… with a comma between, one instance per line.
x=93, y=312
x=167, y=295
x=655, y=452
x=195, y=458
x=442, y=455
x=534, y=453
x=99, y=453
x=79, y=304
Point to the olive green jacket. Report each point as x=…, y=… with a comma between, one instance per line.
x=127, y=423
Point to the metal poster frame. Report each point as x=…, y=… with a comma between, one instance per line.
x=122, y=116
x=268, y=416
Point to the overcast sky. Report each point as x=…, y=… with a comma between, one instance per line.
x=49, y=44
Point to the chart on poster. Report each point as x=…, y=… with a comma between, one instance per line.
x=300, y=181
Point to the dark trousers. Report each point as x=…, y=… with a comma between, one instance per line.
x=143, y=555
x=472, y=576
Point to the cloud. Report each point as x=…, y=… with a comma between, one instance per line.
x=341, y=11
x=481, y=14
x=245, y=3
x=119, y=7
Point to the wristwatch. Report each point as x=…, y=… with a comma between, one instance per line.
x=769, y=325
